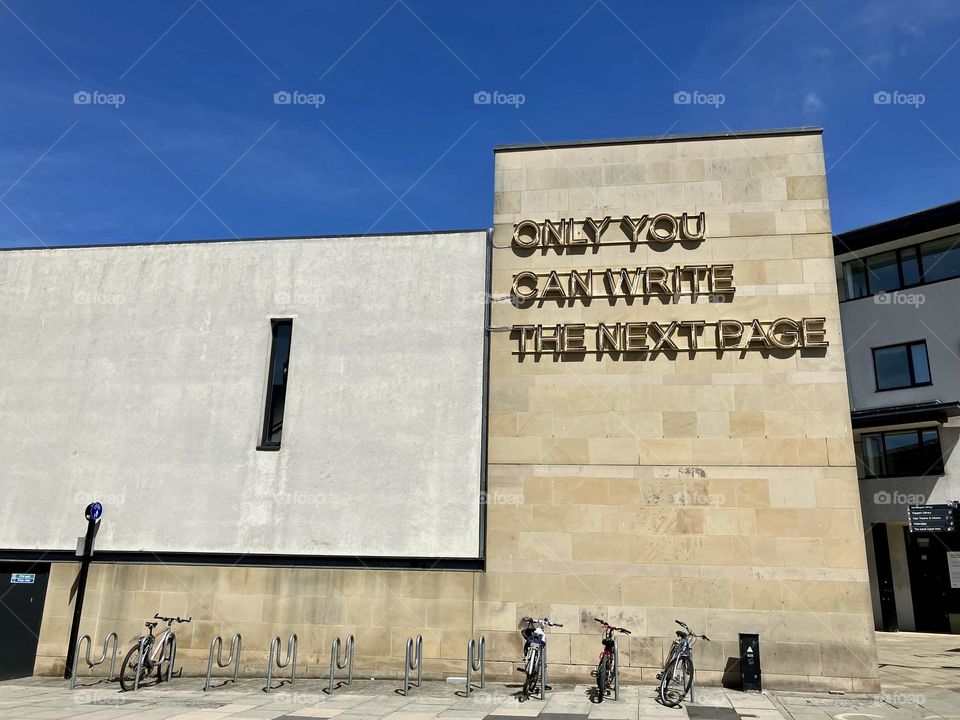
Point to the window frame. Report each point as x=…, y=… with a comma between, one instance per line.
x=933, y=470
x=266, y=444
x=921, y=270
x=908, y=348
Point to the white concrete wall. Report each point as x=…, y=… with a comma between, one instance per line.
x=137, y=375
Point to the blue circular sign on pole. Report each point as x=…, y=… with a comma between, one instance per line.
x=94, y=511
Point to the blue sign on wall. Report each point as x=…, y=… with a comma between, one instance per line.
x=22, y=578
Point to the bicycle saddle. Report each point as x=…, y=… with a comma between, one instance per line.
x=150, y=624
x=681, y=634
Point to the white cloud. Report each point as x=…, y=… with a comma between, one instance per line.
x=812, y=103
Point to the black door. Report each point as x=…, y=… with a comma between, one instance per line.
x=929, y=580
x=881, y=555
x=23, y=587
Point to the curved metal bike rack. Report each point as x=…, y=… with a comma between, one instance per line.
x=290, y=660
x=143, y=647
x=336, y=663
x=413, y=662
x=169, y=655
x=543, y=672
x=476, y=662
x=236, y=646
x=111, y=676
x=616, y=668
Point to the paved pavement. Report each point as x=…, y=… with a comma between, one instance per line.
x=920, y=676
x=911, y=661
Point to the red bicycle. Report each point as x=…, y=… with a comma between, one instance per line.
x=607, y=667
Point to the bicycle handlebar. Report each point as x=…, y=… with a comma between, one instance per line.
x=542, y=621
x=178, y=619
x=686, y=627
x=612, y=627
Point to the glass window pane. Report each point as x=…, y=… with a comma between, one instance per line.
x=277, y=383
x=921, y=368
x=933, y=457
x=882, y=272
x=903, y=454
x=855, y=279
x=910, y=266
x=941, y=258
x=873, y=456
x=893, y=369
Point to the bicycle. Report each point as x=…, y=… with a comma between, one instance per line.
x=676, y=679
x=534, y=645
x=607, y=667
x=154, y=653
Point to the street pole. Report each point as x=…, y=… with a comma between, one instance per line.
x=92, y=513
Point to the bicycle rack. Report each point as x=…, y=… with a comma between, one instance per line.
x=413, y=662
x=236, y=645
x=335, y=662
x=476, y=662
x=275, y=653
x=136, y=678
x=171, y=657
x=616, y=668
x=543, y=672
x=111, y=676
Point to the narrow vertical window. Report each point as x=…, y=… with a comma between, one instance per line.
x=276, y=384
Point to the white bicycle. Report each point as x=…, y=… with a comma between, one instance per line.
x=154, y=654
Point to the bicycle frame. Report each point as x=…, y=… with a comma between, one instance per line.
x=157, y=651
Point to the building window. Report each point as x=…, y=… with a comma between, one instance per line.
x=903, y=453
x=907, y=267
x=901, y=366
x=276, y=384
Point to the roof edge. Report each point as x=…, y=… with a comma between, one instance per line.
x=274, y=238
x=648, y=139
x=914, y=223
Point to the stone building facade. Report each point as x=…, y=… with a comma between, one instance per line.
x=673, y=441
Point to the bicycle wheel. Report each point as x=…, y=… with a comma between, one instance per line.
x=128, y=670
x=675, y=681
x=604, y=675
x=533, y=673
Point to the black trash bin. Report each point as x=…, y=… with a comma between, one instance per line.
x=750, y=662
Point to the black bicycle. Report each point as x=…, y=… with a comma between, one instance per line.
x=607, y=668
x=677, y=676
x=154, y=649
x=534, y=644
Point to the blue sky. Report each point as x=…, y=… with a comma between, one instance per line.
x=200, y=149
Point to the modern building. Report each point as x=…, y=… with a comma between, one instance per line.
x=900, y=290
x=627, y=400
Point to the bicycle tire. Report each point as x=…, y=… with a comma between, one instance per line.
x=130, y=665
x=670, y=694
x=603, y=678
x=533, y=671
